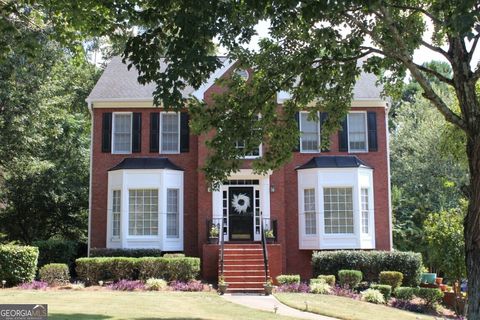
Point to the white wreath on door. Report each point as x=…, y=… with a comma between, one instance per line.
x=240, y=202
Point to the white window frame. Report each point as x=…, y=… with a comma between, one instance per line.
x=161, y=132
x=362, y=211
x=260, y=153
x=143, y=236
x=315, y=224
x=168, y=213
x=319, y=134
x=116, y=237
x=353, y=233
x=366, y=132
x=114, y=114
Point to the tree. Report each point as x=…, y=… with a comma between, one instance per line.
x=444, y=236
x=311, y=53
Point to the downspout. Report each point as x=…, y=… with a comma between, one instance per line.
x=390, y=228
x=90, y=179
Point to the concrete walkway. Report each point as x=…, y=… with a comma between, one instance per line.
x=270, y=303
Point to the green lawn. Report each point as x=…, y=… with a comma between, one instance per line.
x=92, y=305
x=345, y=308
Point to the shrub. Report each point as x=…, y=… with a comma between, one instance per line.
x=91, y=270
x=385, y=289
x=56, y=251
x=174, y=255
x=430, y=296
x=127, y=285
x=371, y=263
x=320, y=287
x=34, y=285
x=54, y=273
x=373, y=296
x=128, y=253
x=193, y=285
x=408, y=306
x=155, y=284
x=344, y=292
x=288, y=279
x=350, y=278
x=392, y=278
x=294, y=287
x=330, y=279
x=18, y=264
x=404, y=293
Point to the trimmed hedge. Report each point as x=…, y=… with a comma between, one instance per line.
x=329, y=278
x=54, y=273
x=391, y=278
x=125, y=253
x=18, y=264
x=350, y=278
x=430, y=296
x=371, y=263
x=288, y=279
x=385, y=289
x=56, y=251
x=92, y=270
x=405, y=293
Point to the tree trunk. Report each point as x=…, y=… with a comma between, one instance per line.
x=472, y=227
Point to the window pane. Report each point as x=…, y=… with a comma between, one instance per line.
x=170, y=132
x=309, y=211
x=309, y=135
x=365, y=213
x=338, y=210
x=172, y=213
x=116, y=197
x=122, y=133
x=357, y=131
x=143, y=212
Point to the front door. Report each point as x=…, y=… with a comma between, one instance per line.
x=240, y=213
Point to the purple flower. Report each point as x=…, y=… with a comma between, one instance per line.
x=127, y=285
x=407, y=305
x=34, y=285
x=294, y=287
x=193, y=285
x=344, y=292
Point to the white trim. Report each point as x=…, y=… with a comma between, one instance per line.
x=160, y=150
x=366, y=133
x=113, y=132
x=283, y=96
x=200, y=92
x=319, y=133
x=118, y=99
x=389, y=187
x=89, y=105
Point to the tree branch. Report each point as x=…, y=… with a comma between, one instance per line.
x=474, y=46
x=421, y=10
x=435, y=74
x=436, y=49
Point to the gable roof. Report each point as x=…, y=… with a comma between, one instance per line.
x=117, y=83
x=334, y=162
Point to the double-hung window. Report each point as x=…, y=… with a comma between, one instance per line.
x=170, y=132
x=173, y=224
x=143, y=212
x=357, y=132
x=116, y=209
x=365, y=211
x=338, y=210
x=122, y=133
x=310, y=133
x=309, y=211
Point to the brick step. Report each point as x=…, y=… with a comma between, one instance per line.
x=242, y=245
x=242, y=251
x=246, y=290
x=242, y=256
x=230, y=278
x=243, y=272
x=245, y=284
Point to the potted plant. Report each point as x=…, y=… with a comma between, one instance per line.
x=222, y=285
x=268, y=286
x=213, y=235
x=269, y=236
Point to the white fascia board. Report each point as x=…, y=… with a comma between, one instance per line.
x=199, y=93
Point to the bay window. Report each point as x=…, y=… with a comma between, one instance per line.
x=143, y=212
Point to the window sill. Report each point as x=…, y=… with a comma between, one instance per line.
x=118, y=152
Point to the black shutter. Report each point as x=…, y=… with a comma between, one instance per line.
x=154, y=131
x=297, y=118
x=323, y=118
x=184, y=132
x=107, y=132
x=343, y=136
x=137, y=132
x=372, y=131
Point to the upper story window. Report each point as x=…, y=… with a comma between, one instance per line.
x=338, y=210
x=240, y=145
x=310, y=133
x=122, y=133
x=357, y=132
x=170, y=132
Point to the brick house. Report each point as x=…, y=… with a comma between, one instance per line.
x=147, y=191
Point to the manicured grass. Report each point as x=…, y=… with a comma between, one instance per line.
x=93, y=305
x=345, y=308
